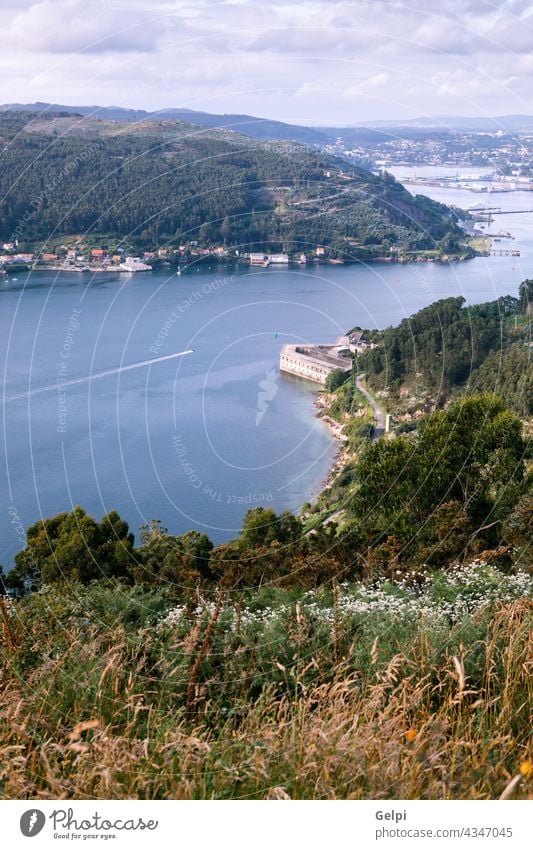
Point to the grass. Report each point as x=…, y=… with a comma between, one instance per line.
x=417, y=689
x=480, y=244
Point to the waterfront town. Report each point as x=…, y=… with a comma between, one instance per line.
x=82, y=259
x=79, y=258
x=503, y=152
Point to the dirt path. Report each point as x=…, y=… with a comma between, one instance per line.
x=378, y=415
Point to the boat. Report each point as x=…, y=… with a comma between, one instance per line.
x=133, y=263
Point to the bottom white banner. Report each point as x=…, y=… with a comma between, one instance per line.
x=242, y=825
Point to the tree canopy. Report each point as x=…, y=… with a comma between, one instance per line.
x=470, y=455
x=440, y=345
x=72, y=546
x=166, y=182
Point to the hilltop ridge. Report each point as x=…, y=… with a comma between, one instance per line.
x=163, y=181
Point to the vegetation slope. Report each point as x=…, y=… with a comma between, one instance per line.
x=166, y=182
x=386, y=654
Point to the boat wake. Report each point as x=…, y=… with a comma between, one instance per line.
x=95, y=376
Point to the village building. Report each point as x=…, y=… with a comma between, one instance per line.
x=315, y=362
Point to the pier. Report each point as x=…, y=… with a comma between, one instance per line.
x=488, y=211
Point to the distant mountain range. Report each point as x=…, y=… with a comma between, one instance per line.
x=506, y=123
x=257, y=128
x=264, y=128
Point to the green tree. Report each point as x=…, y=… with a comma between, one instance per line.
x=335, y=379
x=517, y=529
x=179, y=561
x=205, y=234
x=509, y=374
x=440, y=344
x=471, y=454
x=226, y=230
x=72, y=546
x=261, y=527
x=525, y=294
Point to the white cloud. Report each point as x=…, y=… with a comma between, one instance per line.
x=69, y=26
x=376, y=82
x=448, y=36
x=511, y=34
x=301, y=60
x=458, y=83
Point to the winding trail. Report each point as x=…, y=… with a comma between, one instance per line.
x=378, y=415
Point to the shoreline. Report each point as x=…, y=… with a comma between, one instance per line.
x=174, y=267
x=340, y=454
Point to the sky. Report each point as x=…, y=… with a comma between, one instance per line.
x=312, y=62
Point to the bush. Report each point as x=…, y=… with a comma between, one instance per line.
x=335, y=379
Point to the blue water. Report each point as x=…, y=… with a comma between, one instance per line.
x=186, y=440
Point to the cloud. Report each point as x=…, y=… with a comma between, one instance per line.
x=69, y=26
x=511, y=34
x=312, y=61
x=376, y=82
x=458, y=83
x=447, y=36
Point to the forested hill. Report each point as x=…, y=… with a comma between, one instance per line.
x=166, y=182
x=450, y=347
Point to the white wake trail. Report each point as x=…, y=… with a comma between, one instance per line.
x=97, y=375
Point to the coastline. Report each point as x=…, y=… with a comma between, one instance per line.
x=399, y=259
x=340, y=455
x=407, y=258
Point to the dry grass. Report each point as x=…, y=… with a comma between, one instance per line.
x=412, y=725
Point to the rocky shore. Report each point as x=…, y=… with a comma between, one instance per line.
x=341, y=454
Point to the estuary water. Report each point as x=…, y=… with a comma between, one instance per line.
x=194, y=440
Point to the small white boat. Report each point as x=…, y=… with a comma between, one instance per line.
x=133, y=263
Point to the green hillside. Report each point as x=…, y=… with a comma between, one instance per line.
x=167, y=182
x=446, y=345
